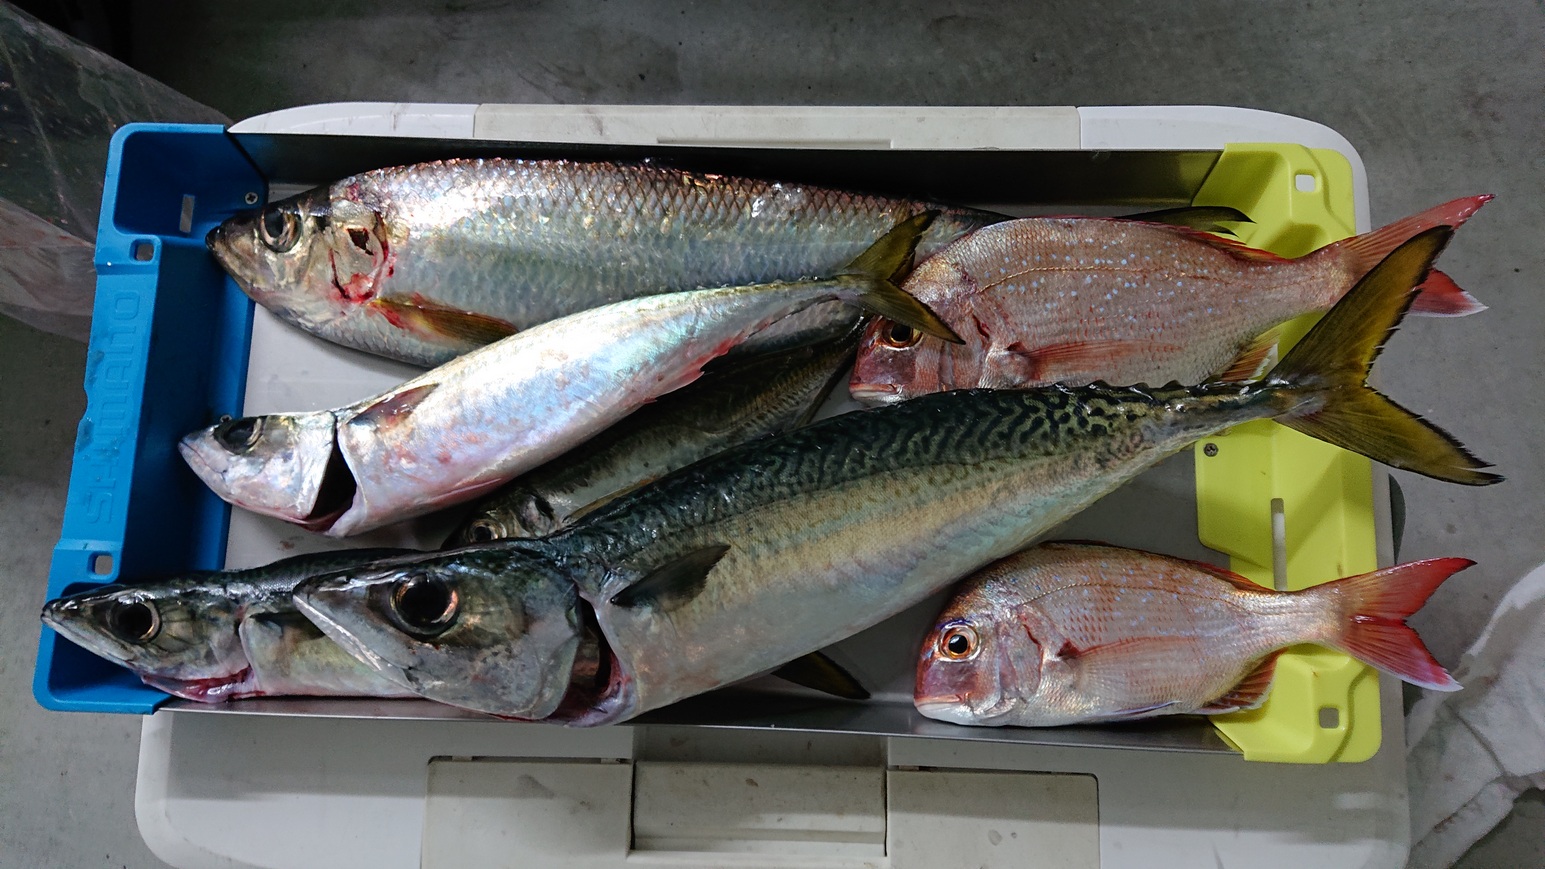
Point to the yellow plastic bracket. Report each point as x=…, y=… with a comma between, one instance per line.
x=1261, y=481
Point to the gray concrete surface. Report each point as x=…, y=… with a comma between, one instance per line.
x=66, y=781
x=1440, y=99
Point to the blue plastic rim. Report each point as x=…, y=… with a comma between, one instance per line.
x=165, y=314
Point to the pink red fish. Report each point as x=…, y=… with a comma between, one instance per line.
x=1075, y=300
x=1069, y=633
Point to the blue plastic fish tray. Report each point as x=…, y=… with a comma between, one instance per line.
x=168, y=352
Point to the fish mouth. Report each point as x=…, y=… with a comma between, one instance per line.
x=211, y=689
x=950, y=709
x=67, y=617
x=201, y=466
x=875, y=393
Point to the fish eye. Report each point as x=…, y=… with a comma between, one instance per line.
x=484, y=530
x=279, y=229
x=134, y=621
x=958, y=642
x=239, y=434
x=898, y=335
x=426, y=605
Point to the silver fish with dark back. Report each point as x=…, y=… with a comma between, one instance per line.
x=222, y=635
x=737, y=400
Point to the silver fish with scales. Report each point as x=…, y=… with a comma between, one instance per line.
x=461, y=430
x=424, y=263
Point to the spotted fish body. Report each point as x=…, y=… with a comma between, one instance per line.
x=425, y=262
x=1068, y=633
x=1075, y=300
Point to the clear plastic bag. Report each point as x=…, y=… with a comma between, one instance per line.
x=60, y=101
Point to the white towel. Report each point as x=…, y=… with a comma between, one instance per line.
x=1473, y=752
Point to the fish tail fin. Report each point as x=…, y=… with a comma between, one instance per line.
x=887, y=262
x=1440, y=296
x=1320, y=387
x=1374, y=608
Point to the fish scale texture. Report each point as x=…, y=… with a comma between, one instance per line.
x=587, y=234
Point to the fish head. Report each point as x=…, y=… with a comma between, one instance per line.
x=518, y=512
x=975, y=668
x=490, y=628
x=176, y=636
x=896, y=362
x=887, y=364
x=312, y=258
x=279, y=465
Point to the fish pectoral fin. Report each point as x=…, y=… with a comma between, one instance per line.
x=819, y=672
x=1207, y=218
x=1249, y=693
x=1052, y=363
x=392, y=408
x=418, y=314
x=1254, y=360
x=671, y=585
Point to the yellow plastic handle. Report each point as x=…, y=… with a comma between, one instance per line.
x=1323, y=705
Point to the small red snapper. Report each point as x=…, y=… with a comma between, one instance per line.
x=1069, y=633
x=1075, y=300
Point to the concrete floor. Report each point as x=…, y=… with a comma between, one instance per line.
x=1440, y=101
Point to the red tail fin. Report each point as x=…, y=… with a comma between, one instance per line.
x=1440, y=296
x=1377, y=604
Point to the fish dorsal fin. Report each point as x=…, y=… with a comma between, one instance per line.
x=395, y=407
x=1249, y=693
x=1232, y=246
x=1222, y=573
x=671, y=585
x=1254, y=360
x=425, y=316
x=1207, y=218
x=819, y=672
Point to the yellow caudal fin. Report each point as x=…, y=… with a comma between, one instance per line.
x=1323, y=390
x=877, y=270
